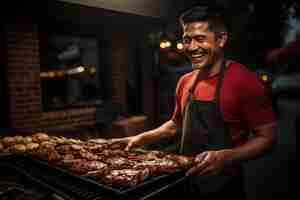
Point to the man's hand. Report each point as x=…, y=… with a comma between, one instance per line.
x=207, y=163
x=130, y=142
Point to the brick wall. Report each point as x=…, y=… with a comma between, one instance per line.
x=22, y=47
x=24, y=86
x=68, y=119
x=119, y=71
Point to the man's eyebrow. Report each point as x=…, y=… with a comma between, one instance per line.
x=199, y=35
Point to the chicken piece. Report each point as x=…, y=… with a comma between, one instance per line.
x=40, y=137
x=1, y=147
x=32, y=146
x=58, y=140
x=18, y=148
x=47, y=145
x=8, y=141
x=46, y=151
x=27, y=140
x=18, y=139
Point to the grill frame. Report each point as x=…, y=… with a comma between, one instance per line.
x=7, y=165
x=72, y=186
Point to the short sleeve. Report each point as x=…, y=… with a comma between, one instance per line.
x=256, y=104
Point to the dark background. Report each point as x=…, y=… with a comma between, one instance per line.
x=253, y=35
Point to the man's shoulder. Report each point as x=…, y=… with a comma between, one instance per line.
x=241, y=78
x=239, y=72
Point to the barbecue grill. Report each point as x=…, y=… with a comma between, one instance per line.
x=72, y=187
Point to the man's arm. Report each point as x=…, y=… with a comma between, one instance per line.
x=168, y=129
x=263, y=141
x=211, y=162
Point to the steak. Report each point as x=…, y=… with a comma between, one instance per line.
x=125, y=177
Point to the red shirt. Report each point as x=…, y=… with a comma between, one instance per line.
x=243, y=100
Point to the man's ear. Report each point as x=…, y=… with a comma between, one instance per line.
x=222, y=39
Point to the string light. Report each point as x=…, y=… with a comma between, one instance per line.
x=162, y=45
x=264, y=77
x=165, y=44
x=168, y=44
x=179, y=46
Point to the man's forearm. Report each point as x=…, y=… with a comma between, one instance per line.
x=168, y=129
x=254, y=148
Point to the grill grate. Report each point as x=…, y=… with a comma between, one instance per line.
x=61, y=180
x=72, y=187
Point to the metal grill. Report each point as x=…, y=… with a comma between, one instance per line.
x=64, y=181
x=71, y=186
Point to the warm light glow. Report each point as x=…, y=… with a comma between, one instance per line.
x=76, y=70
x=162, y=45
x=80, y=69
x=179, y=45
x=44, y=74
x=168, y=44
x=51, y=74
x=165, y=44
x=60, y=73
x=264, y=77
x=93, y=70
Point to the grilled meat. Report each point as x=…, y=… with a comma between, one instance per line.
x=125, y=177
x=95, y=148
x=119, y=163
x=146, y=156
x=1, y=147
x=113, y=153
x=84, y=166
x=158, y=166
x=40, y=137
x=101, y=159
x=88, y=155
x=183, y=162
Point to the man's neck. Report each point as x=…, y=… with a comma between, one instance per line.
x=215, y=69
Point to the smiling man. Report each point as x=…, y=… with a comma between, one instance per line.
x=216, y=104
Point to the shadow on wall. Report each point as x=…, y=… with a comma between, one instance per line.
x=271, y=176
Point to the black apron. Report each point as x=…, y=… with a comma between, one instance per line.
x=204, y=129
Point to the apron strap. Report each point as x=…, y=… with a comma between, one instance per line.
x=201, y=75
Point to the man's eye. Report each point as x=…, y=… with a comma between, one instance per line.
x=200, y=39
x=186, y=40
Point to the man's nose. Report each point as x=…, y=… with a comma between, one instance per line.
x=192, y=45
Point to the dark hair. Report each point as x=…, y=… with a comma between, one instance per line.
x=214, y=15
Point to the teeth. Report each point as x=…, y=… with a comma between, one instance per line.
x=197, y=56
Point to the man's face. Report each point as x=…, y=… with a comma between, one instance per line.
x=200, y=44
